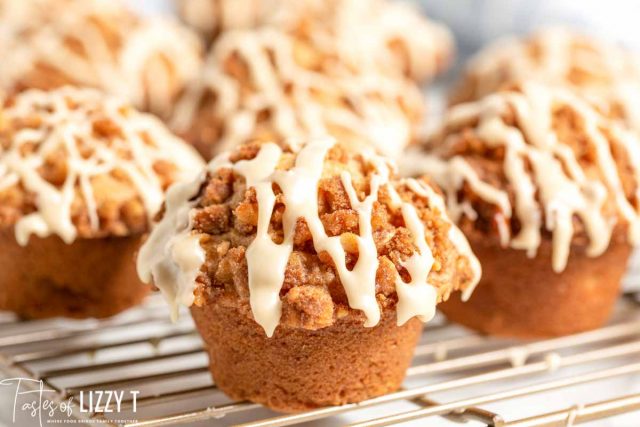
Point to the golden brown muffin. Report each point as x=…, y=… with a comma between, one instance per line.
x=306, y=269
x=603, y=73
x=100, y=44
x=546, y=190
x=387, y=34
x=267, y=84
x=80, y=176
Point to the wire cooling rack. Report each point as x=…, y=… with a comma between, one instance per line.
x=456, y=376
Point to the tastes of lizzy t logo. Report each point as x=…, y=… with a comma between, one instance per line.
x=30, y=398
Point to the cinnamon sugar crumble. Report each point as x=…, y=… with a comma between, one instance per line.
x=312, y=295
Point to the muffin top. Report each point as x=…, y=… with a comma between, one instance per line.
x=96, y=43
x=605, y=74
x=304, y=235
x=267, y=84
x=371, y=31
x=556, y=56
x=79, y=164
x=536, y=163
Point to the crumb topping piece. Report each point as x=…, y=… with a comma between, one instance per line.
x=79, y=164
x=305, y=235
x=536, y=159
x=269, y=85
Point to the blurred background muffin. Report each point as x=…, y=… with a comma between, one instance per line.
x=81, y=175
x=546, y=190
x=269, y=84
x=371, y=31
x=604, y=73
x=46, y=44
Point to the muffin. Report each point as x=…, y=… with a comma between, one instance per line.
x=266, y=84
x=99, y=44
x=308, y=269
x=546, y=190
x=605, y=74
x=81, y=175
x=371, y=31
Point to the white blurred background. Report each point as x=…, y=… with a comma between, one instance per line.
x=475, y=22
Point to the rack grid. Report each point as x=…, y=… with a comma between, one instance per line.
x=165, y=363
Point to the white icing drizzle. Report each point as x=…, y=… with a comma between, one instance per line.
x=603, y=73
x=65, y=123
x=144, y=60
x=171, y=255
x=455, y=235
x=366, y=106
x=299, y=187
x=411, y=296
x=361, y=32
x=563, y=190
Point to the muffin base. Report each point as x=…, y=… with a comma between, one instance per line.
x=88, y=278
x=298, y=369
x=524, y=298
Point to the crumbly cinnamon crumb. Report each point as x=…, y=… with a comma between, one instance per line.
x=312, y=294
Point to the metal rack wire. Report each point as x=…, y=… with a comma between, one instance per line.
x=142, y=350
